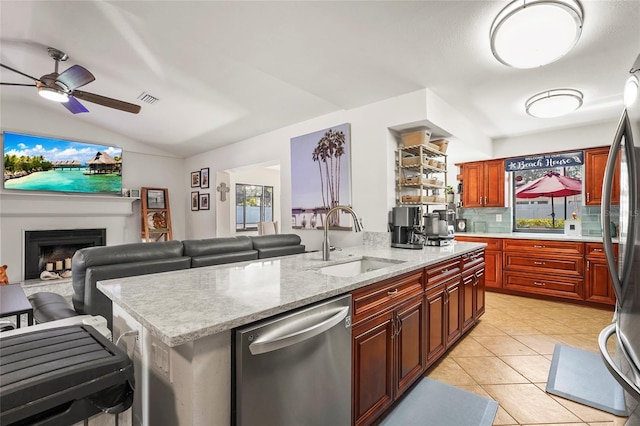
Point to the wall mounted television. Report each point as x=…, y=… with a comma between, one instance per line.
x=36, y=163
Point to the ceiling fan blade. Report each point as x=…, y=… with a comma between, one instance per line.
x=74, y=106
x=19, y=72
x=17, y=84
x=75, y=76
x=108, y=102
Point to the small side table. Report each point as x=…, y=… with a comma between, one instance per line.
x=13, y=302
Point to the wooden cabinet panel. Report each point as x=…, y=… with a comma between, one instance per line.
x=537, y=247
x=478, y=292
x=373, y=372
x=483, y=184
x=494, y=183
x=598, y=283
x=565, y=287
x=442, y=271
x=453, y=302
x=374, y=298
x=468, y=280
x=435, y=317
x=492, y=259
x=595, y=164
x=410, y=343
x=566, y=265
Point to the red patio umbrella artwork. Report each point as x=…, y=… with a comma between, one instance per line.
x=551, y=184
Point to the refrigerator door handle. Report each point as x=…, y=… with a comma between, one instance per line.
x=623, y=131
x=627, y=384
x=273, y=343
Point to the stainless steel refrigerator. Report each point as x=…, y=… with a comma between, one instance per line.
x=624, y=364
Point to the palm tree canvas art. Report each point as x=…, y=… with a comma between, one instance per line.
x=321, y=177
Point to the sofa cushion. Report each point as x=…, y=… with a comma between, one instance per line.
x=222, y=245
x=50, y=307
x=219, y=259
x=277, y=245
x=97, y=303
x=115, y=255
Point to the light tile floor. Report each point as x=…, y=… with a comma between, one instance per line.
x=507, y=357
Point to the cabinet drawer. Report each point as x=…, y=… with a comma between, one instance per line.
x=564, y=265
x=543, y=246
x=375, y=298
x=566, y=287
x=597, y=250
x=442, y=271
x=469, y=260
x=492, y=243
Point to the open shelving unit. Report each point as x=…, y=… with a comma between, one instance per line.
x=421, y=177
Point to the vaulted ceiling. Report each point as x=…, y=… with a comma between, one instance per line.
x=224, y=71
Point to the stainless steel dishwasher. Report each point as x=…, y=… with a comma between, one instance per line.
x=295, y=369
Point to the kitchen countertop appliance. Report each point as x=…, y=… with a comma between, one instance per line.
x=439, y=227
x=624, y=365
x=406, y=227
x=295, y=369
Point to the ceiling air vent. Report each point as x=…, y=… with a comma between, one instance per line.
x=147, y=98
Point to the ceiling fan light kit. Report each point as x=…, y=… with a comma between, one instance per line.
x=62, y=87
x=553, y=103
x=533, y=33
x=53, y=94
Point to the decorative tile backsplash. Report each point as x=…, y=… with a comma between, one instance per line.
x=484, y=219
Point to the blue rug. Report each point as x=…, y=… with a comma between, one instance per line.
x=435, y=403
x=581, y=376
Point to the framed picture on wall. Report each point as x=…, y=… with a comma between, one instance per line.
x=204, y=177
x=195, y=201
x=195, y=179
x=204, y=202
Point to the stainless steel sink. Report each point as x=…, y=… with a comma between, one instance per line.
x=357, y=266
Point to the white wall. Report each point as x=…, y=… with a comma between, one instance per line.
x=142, y=166
x=598, y=134
x=372, y=160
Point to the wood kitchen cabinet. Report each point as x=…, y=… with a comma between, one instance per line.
x=598, y=284
x=553, y=268
x=492, y=258
x=472, y=282
x=443, y=302
x=388, y=343
x=595, y=161
x=483, y=184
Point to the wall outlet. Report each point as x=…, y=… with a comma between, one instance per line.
x=498, y=217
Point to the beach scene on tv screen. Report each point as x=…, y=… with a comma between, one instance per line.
x=47, y=164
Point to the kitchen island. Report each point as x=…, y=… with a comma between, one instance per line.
x=185, y=320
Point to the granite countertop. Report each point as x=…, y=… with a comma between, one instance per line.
x=533, y=236
x=182, y=306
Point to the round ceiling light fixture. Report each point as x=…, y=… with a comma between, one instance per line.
x=53, y=94
x=553, y=103
x=533, y=33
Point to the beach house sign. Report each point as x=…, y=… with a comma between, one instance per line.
x=544, y=161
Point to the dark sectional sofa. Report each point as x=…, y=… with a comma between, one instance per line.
x=94, y=264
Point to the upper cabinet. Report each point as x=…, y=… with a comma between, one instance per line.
x=483, y=184
x=595, y=161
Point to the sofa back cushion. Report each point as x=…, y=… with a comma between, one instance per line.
x=216, y=251
x=116, y=255
x=277, y=245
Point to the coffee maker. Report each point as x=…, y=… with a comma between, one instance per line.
x=439, y=227
x=405, y=227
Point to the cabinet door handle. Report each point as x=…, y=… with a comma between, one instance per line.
x=588, y=265
x=392, y=293
x=538, y=283
x=399, y=326
x=538, y=263
x=485, y=201
x=597, y=250
x=588, y=196
x=538, y=246
x=480, y=201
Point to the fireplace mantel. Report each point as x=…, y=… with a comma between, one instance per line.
x=64, y=205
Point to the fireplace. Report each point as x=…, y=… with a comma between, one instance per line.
x=53, y=250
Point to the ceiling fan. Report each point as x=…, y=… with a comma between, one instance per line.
x=62, y=87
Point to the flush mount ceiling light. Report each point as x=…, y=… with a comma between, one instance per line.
x=533, y=33
x=53, y=94
x=553, y=103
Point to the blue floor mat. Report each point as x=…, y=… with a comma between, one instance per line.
x=432, y=402
x=581, y=376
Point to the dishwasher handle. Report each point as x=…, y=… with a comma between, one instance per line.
x=273, y=343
